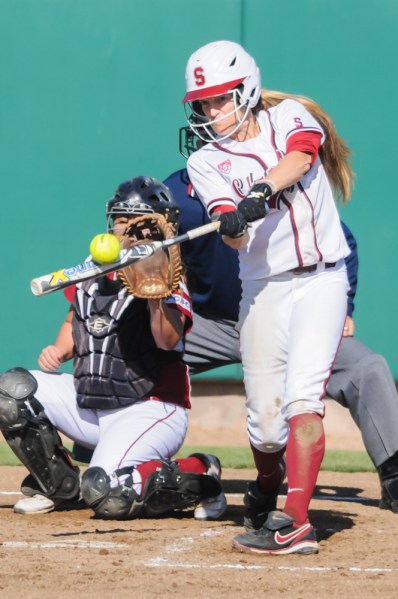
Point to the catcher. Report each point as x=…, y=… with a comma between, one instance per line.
x=129, y=393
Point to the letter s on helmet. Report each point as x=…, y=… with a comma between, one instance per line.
x=215, y=69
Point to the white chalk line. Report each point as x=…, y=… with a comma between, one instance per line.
x=318, y=497
x=62, y=545
x=162, y=562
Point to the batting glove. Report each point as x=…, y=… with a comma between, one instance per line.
x=255, y=206
x=232, y=224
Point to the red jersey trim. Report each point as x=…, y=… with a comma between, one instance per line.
x=218, y=203
x=224, y=208
x=290, y=206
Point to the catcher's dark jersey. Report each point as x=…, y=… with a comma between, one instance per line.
x=117, y=362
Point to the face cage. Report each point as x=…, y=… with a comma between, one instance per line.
x=172, y=216
x=198, y=123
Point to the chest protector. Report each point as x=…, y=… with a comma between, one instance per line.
x=116, y=358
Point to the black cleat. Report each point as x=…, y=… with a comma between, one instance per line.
x=258, y=505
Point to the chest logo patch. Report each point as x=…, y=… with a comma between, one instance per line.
x=225, y=167
x=98, y=325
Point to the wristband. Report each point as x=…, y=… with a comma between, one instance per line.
x=271, y=185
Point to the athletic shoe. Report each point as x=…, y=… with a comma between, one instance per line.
x=258, y=504
x=213, y=507
x=279, y=536
x=38, y=504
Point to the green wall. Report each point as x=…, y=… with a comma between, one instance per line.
x=91, y=95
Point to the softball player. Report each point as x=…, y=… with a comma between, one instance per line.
x=127, y=400
x=261, y=165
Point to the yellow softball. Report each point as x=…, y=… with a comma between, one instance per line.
x=105, y=248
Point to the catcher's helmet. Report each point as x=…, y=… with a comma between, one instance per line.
x=142, y=195
x=214, y=70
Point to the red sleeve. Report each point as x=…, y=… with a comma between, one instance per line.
x=305, y=141
x=223, y=209
x=69, y=293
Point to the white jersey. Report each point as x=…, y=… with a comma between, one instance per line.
x=303, y=225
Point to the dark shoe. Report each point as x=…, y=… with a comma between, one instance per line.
x=280, y=535
x=258, y=505
x=389, y=495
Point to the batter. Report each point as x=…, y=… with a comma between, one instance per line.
x=260, y=172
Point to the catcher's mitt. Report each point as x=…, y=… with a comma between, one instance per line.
x=159, y=275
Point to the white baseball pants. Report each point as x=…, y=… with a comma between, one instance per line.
x=290, y=329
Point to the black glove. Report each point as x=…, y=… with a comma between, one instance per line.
x=232, y=224
x=255, y=206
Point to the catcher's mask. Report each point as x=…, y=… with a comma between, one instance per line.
x=142, y=195
x=189, y=142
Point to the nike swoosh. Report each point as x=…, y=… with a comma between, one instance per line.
x=283, y=539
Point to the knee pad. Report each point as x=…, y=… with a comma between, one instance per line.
x=33, y=438
x=117, y=503
x=168, y=489
x=16, y=386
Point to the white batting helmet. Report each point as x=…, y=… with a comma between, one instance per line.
x=218, y=68
x=215, y=69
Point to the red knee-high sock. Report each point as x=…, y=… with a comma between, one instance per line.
x=267, y=464
x=304, y=455
x=194, y=465
x=147, y=468
x=185, y=464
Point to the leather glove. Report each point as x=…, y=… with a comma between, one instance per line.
x=159, y=275
x=255, y=206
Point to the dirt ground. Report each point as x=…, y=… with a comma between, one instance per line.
x=68, y=553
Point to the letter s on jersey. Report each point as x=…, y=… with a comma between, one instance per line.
x=199, y=76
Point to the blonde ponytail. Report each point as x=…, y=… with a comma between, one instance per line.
x=334, y=152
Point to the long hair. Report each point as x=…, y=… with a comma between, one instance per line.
x=334, y=152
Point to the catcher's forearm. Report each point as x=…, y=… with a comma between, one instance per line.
x=64, y=341
x=167, y=324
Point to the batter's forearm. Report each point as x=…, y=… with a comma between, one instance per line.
x=288, y=171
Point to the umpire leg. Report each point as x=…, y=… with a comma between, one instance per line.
x=361, y=381
x=211, y=343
